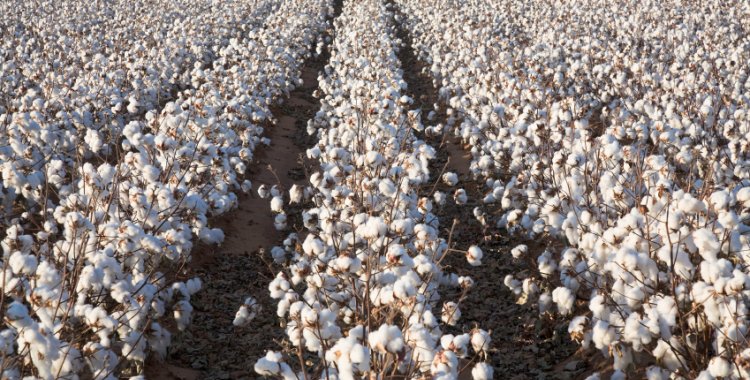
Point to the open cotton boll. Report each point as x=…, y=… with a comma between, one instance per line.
x=482, y=371
x=439, y=198
x=247, y=312
x=564, y=298
x=22, y=264
x=474, y=256
x=480, y=340
x=277, y=204
x=295, y=194
x=211, y=235
x=519, y=251
x=387, y=338
x=263, y=191
x=450, y=179
x=719, y=367
x=279, y=222
x=246, y=186
x=451, y=313
x=273, y=365
x=513, y=284
x=707, y=243
x=460, y=197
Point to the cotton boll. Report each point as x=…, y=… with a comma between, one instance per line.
x=247, y=312
x=279, y=222
x=707, y=243
x=263, y=191
x=21, y=263
x=277, y=204
x=719, y=367
x=386, y=339
x=565, y=300
x=439, y=198
x=246, y=186
x=451, y=313
x=603, y=335
x=656, y=373
x=482, y=371
x=474, y=256
x=618, y=375
x=212, y=235
x=513, y=284
x=480, y=340
x=295, y=194
x=519, y=251
x=450, y=179
x=460, y=197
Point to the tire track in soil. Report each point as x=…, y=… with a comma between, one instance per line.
x=523, y=345
x=211, y=347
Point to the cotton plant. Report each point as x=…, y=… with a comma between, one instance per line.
x=623, y=156
x=360, y=287
x=115, y=161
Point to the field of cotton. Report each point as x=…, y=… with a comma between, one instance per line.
x=374, y=189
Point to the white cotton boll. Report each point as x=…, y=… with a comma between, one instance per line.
x=247, y=312
x=719, y=367
x=618, y=375
x=279, y=222
x=451, y=313
x=460, y=197
x=482, y=371
x=387, y=188
x=474, y=256
x=93, y=140
x=387, y=338
x=689, y=204
x=546, y=264
x=211, y=235
x=519, y=251
x=513, y=284
x=707, y=243
x=277, y=204
x=246, y=186
x=594, y=376
x=545, y=302
x=278, y=254
x=719, y=200
x=480, y=340
x=295, y=194
x=450, y=179
x=564, y=298
x=656, y=373
x=279, y=286
x=743, y=196
x=20, y=263
x=263, y=191
x=268, y=365
x=603, y=335
x=439, y=198
x=151, y=173
x=374, y=227
x=444, y=365
x=183, y=312
x=193, y=285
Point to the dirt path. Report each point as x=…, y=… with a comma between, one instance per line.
x=211, y=347
x=523, y=347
